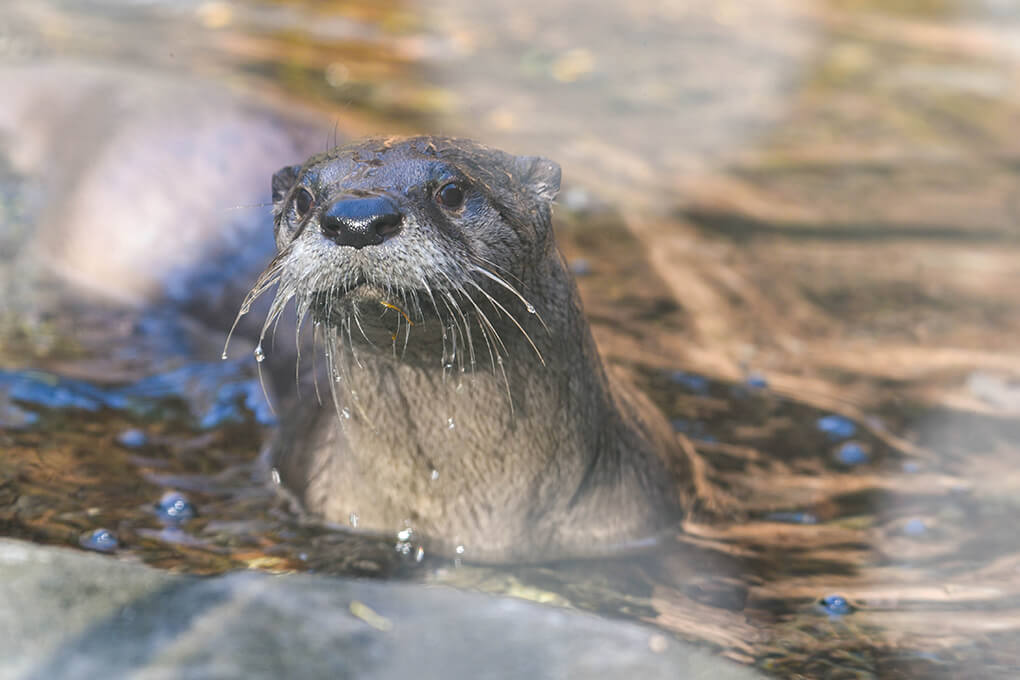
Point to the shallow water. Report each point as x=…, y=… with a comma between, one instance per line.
x=796, y=226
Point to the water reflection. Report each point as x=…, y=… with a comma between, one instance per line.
x=827, y=196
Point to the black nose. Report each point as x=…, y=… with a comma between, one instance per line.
x=360, y=222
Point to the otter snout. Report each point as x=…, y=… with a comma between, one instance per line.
x=360, y=222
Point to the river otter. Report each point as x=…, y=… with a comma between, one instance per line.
x=469, y=404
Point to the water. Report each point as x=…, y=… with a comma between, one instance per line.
x=825, y=192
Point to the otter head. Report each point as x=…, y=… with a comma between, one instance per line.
x=407, y=230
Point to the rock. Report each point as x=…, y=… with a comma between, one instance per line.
x=66, y=614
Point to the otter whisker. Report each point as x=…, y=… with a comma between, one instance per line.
x=439, y=314
x=460, y=312
x=487, y=329
x=482, y=325
x=407, y=327
x=454, y=332
x=316, y=340
x=512, y=318
x=350, y=341
x=501, y=268
x=335, y=374
x=527, y=305
x=337, y=367
x=297, y=345
x=483, y=321
x=416, y=310
x=266, y=280
x=467, y=333
x=361, y=329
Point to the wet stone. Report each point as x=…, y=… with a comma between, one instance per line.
x=792, y=517
x=851, y=453
x=690, y=382
x=837, y=427
x=915, y=527
x=757, y=380
x=693, y=429
x=49, y=391
x=216, y=393
x=12, y=417
x=100, y=540
x=72, y=615
x=133, y=438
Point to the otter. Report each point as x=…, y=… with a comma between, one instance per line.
x=467, y=402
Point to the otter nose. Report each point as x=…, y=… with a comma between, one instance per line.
x=360, y=222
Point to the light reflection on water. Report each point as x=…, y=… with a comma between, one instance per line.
x=827, y=195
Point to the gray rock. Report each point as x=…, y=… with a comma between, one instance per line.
x=67, y=614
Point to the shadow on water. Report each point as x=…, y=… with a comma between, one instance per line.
x=828, y=317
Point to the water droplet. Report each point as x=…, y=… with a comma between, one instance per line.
x=499, y=360
x=353, y=520
x=100, y=540
x=837, y=427
x=459, y=549
x=274, y=474
x=530, y=307
x=403, y=545
x=224, y=355
x=448, y=366
x=260, y=355
x=852, y=453
x=419, y=555
x=449, y=423
x=303, y=557
x=175, y=508
x=346, y=413
x=434, y=476
x=835, y=606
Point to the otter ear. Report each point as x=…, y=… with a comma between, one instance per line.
x=541, y=175
x=283, y=180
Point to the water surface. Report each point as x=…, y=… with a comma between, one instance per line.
x=794, y=225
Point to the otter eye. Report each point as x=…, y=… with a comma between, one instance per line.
x=303, y=201
x=450, y=196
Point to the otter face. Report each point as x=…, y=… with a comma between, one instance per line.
x=425, y=226
x=409, y=214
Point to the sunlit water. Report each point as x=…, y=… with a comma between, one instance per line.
x=795, y=226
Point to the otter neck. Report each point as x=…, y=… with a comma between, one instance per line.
x=485, y=453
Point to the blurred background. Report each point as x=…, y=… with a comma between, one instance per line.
x=795, y=222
